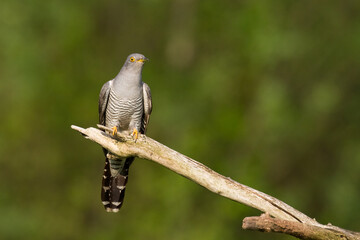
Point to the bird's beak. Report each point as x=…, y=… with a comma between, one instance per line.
x=143, y=59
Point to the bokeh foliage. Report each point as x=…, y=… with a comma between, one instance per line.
x=266, y=92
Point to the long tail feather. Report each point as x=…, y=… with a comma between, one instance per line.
x=114, y=182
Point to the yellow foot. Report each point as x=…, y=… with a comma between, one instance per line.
x=135, y=134
x=114, y=130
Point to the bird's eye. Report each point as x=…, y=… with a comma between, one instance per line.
x=132, y=59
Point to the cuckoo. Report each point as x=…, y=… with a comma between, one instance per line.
x=125, y=106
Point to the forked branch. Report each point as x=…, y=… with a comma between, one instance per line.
x=150, y=149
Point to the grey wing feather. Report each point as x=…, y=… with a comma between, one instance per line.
x=147, y=101
x=103, y=101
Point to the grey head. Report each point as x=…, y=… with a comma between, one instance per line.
x=134, y=62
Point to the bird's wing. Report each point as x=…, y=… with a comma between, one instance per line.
x=103, y=101
x=147, y=107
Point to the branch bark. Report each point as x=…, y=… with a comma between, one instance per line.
x=147, y=148
x=266, y=223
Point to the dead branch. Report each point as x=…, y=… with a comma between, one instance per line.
x=266, y=223
x=147, y=148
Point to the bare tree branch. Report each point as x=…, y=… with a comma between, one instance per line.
x=150, y=149
x=266, y=223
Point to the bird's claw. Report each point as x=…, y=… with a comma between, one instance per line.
x=135, y=134
x=114, y=130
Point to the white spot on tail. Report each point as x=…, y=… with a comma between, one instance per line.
x=116, y=203
x=120, y=187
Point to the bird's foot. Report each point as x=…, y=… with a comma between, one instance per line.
x=135, y=134
x=114, y=130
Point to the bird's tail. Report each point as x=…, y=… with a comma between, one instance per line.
x=114, y=182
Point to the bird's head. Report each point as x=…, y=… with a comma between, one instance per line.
x=135, y=61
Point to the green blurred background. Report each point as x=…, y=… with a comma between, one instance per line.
x=265, y=92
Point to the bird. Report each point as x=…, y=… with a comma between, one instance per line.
x=125, y=105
